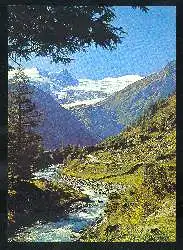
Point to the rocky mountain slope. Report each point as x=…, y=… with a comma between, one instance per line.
x=124, y=107
x=61, y=78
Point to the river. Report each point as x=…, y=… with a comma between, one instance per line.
x=67, y=228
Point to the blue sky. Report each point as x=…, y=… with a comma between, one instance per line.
x=149, y=45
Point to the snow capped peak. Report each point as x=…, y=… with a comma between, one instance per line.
x=32, y=72
x=94, y=91
x=64, y=78
x=107, y=85
x=72, y=92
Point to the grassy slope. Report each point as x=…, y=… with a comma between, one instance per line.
x=143, y=159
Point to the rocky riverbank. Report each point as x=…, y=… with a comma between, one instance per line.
x=97, y=187
x=67, y=205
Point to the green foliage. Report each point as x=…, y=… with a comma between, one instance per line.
x=68, y=153
x=137, y=215
x=64, y=192
x=57, y=31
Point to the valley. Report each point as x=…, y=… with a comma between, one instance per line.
x=94, y=110
x=91, y=126
x=113, y=176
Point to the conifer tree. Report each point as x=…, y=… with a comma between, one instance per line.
x=58, y=31
x=24, y=145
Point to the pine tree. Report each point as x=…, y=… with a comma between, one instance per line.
x=24, y=145
x=58, y=31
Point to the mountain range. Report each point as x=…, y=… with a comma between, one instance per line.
x=124, y=107
x=69, y=91
x=85, y=111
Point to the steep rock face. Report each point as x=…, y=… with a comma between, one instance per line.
x=52, y=82
x=126, y=106
x=59, y=127
x=63, y=77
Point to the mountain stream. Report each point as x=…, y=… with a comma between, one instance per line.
x=81, y=215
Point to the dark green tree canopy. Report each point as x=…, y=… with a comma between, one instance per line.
x=59, y=31
x=24, y=145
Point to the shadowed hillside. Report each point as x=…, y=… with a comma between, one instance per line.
x=60, y=126
x=124, y=107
